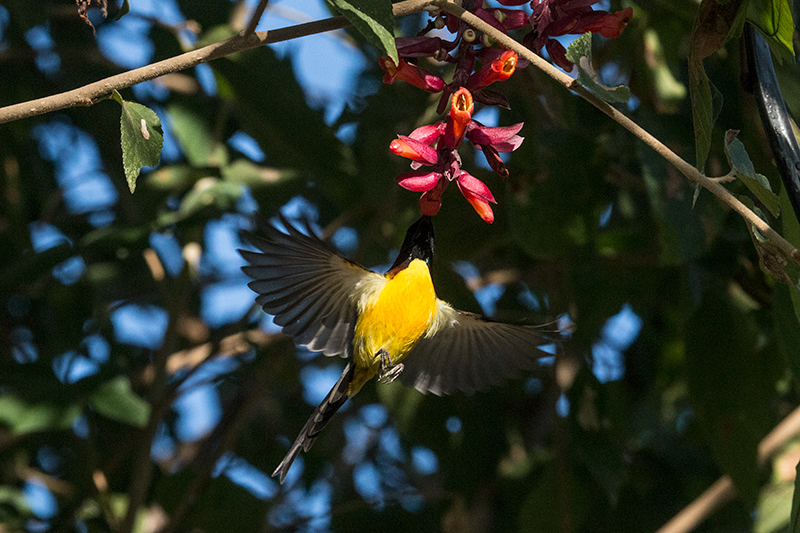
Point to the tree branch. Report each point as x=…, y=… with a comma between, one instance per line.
x=251, y=27
x=722, y=491
x=685, y=168
x=92, y=93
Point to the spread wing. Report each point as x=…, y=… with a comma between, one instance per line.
x=312, y=292
x=464, y=351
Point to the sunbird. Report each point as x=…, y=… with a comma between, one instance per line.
x=390, y=325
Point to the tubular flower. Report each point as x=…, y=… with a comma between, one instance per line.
x=498, y=70
x=413, y=149
x=419, y=181
x=409, y=73
x=477, y=194
x=553, y=18
x=461, y=107
x=611, y=25
x=493, y=141
x=503, y=139
x=431, y=201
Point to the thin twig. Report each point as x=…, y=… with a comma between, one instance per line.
x=723, y=491
x=94, y=92
x=251, y=28
x=685, y=168
x=724, y=179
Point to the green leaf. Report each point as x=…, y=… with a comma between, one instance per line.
x=115, y=400
x=580, y=53
x=696, y=194
x=702, y=109
x=773, y=18
x=14, y=497
x=126, y=6
x=669, y=91
x=208, y=192
x=194, y=135
x=374, y=20
x=743, y=167
x=714, y=25
x=141, y=140
x=245, y=172
x=22, y=417
x=774, y=505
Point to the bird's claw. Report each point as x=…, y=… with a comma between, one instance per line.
x=388, y=372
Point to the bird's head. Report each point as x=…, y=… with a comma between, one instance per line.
x=418, y=244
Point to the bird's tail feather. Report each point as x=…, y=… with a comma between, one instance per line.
x=318, y=420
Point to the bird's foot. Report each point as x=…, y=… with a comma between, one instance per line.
x=388, y=372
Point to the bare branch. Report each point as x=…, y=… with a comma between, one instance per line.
x=722, y=491
x=92, y=93
x=251, y=28
x=685, y=168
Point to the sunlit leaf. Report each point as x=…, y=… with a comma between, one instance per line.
x=210, y=192
x=116, y=400
x=773, y=18
x=193, y=133
x=22, y=417
x=757, y=183
x=141, y=139
x=794, y=521
x=774, y=507
x=245, y=172
x=580, y=53
x=374, y=20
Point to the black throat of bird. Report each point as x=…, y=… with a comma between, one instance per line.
x=418, y=244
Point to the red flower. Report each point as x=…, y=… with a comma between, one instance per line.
x=611, y=25
x=477, y=194
x=445, y=161
x=492, y=141
x=503, y=19
x=461, y=107
x=416, y=76
x=498, y=70
x=553, y=18
x=414, y=150
x=433, y=184
x=419, y=181
x=431, y=201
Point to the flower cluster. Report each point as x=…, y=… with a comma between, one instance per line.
x=436, y=146
x=444, y=162
x=553, y=18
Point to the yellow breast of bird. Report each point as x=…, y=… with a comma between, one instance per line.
x=396, y=319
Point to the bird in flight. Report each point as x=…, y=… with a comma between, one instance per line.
x=391, y=325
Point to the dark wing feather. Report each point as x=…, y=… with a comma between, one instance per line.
x=463, y=351
x=312, y=292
